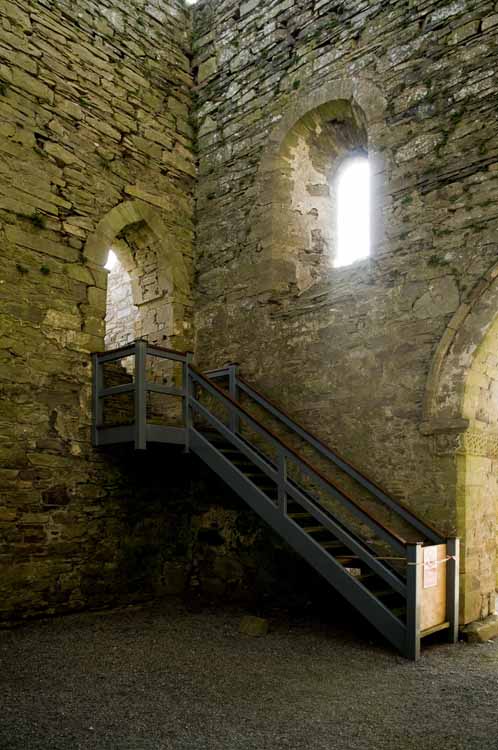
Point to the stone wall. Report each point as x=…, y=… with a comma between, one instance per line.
x=348, y=352
x=97, y=149
x=95, y=137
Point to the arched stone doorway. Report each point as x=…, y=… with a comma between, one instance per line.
x=150, y=290
x=461, y=415
x=147, y=294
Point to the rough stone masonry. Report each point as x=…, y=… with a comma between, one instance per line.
x=95, y=142
x=393, y=359
x=113, y=118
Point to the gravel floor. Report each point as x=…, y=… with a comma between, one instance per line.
x=158, y=677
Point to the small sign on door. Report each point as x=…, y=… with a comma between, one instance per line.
x=430, y=567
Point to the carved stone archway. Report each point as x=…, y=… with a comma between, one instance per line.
x=461, y=416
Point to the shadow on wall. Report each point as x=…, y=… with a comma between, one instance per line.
x=193, y=537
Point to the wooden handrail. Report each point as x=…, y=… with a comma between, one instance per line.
x=338, y=455
x=293, y=453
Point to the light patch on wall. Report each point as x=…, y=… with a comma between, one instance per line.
x=111, y=260
x=191, y=2
x=353, y=212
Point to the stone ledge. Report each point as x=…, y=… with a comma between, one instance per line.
x=481, y=630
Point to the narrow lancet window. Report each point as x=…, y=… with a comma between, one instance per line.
x=111, y=260
x=353, y=212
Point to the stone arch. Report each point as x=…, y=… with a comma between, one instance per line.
x=445, y=390
x=306, y=110
x=173, y=268
x=461, y=416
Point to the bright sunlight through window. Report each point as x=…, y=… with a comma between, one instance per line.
x=111, y=260
x=353, y=212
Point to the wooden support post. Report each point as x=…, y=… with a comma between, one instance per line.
x=414, y=578
x=453, y=587
x=98, y=401
x=187, y=392
x=140, y=395
x=234, y=393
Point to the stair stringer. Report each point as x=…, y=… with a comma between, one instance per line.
x=334, y=573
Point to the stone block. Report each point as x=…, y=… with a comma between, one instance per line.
x=482, y=630
x=40, y=243
x=60, y=153
x=15, y=14
x=253, y=626
x=489, y=22
x=66, y=321
x=32, y=85
x=207, y=69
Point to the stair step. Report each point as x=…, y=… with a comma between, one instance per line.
x=313, y=529
x=317, y=533
x=335, y=545
x=364, y=577
x=383, y=593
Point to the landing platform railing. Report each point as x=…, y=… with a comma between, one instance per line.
x=140, y=431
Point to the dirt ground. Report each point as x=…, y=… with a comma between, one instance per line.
x=157, y=677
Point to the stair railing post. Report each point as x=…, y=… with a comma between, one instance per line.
x=282, y=480
x=98, y=401
x=414, y=578
x=453, y=587
x=187, y=394
x=140, y=395
x=233, y=390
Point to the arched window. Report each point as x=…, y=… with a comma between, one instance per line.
x=353, y=211
x=320, y=198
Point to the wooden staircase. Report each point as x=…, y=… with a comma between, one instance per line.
x=404, y=588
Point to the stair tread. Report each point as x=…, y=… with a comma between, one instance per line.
x=313, y=529
x=383, y=592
